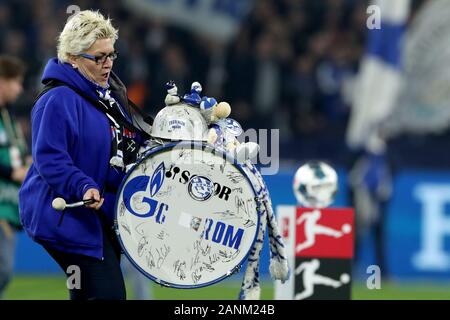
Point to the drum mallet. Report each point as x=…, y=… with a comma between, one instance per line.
x=60, y=204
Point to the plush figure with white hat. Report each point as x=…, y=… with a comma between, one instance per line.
x=193, y=98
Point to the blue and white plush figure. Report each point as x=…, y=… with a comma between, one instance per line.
x=223, y=133
x=209, y=108
x=207, y=103
x=196, y=87
x=172, y=94
x=193, y=98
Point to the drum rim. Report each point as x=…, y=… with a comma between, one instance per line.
x=192, y=144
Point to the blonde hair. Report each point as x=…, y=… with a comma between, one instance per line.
x=81, y=31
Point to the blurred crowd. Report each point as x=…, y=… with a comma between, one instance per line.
x=288, y=67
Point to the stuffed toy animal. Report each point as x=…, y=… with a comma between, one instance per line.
x=172, y=94
x=193, y=98
x=213, y=111
x=224, y=133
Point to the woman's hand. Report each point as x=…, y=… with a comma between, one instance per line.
x=93, y=194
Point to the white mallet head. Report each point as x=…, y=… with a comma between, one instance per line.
x=59, y=204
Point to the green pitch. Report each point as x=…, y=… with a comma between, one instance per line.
x=53, y=287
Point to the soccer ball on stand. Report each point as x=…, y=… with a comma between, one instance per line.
x=315, y=184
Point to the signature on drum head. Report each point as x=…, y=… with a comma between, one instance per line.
x=228, y=256
x=235, y=177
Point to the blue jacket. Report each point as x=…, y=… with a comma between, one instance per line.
x=71, y=143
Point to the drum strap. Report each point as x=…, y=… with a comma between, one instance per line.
x=53, y=83
x=123, y=129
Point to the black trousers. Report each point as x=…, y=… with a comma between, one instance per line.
x=99, y=279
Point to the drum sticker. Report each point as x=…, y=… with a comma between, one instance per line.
x=188, y=221
x=200, y=188
x=185, y=220
x=195, y=223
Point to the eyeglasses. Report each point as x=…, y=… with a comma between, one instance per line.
x=100, y=59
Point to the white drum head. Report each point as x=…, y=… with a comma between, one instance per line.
x=186, y=217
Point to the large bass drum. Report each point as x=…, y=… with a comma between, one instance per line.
x=186, y=216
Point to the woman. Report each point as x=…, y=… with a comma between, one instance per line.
x=83, y=138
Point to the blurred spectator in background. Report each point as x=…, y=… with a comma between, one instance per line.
x=267, y=82
x=13, y=167
x=384, y=73
x=301, y=94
